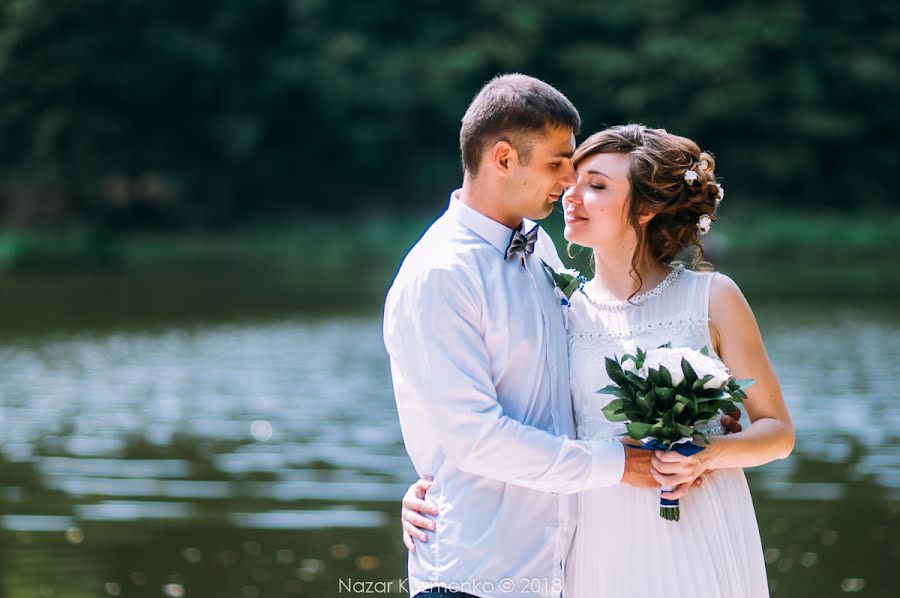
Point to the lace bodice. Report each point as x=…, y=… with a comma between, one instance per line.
x=676, y=311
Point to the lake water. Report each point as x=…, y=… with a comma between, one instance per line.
x=235, y=457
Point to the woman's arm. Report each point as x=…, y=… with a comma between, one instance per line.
x=770, y=436
x=413, y=523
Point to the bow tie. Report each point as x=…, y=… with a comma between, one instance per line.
x=522, y=243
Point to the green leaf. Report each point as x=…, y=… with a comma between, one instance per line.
x=549, y=270
x=699, y=384
x=645, y=405
x=665, y=393
x=629, y=357
x=684, y=430
x=637, y=381
x=665, y=377
x=638, y=430
x=625, y=393
x=641, y=357
x=690, y=376
x=611, y=411
x=608, y=390
x=704, y=351
x=726, y=406
x=745, y=383
x=615, y=373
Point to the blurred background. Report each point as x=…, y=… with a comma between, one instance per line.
x=203, y=203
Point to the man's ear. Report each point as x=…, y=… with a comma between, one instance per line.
x=503, y=157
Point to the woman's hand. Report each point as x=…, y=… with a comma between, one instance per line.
x=674, y=470
x=413, y=523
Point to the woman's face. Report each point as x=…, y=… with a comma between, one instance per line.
x=596, y=208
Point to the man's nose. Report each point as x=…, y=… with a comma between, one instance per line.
x=568, y=179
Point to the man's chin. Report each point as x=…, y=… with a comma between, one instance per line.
x=540, y=214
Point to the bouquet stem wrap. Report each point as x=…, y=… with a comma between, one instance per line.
x=669, y=509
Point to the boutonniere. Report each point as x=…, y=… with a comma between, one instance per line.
x=565, y=281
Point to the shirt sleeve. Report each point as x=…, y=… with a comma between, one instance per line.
x=439, y=357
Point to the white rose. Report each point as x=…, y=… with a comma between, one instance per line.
x=668, y=358
x=702, y=365
x=708, y=366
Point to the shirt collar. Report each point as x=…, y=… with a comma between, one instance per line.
x=498, y=235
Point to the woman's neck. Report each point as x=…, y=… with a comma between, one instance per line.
x=614, y=279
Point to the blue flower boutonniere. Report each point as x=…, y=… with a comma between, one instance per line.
x=565, y=281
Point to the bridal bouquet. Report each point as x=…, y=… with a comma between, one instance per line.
x=665, y=394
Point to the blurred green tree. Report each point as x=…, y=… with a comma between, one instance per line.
x=209, y=112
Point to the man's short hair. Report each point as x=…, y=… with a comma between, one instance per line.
x=512, y=108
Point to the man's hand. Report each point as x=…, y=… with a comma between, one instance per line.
x=640, y=473
x=732, y=421
x=637, y=467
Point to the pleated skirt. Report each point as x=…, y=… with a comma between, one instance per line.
x=623, y=548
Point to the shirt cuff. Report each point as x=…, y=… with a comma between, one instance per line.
x=609, y=462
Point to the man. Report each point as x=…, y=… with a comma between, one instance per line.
x=479, y=361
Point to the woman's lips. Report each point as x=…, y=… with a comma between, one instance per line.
x=572, y=219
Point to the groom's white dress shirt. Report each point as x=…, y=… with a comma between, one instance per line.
x=479, y=363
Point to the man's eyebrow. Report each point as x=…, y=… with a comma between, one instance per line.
x=565, y=154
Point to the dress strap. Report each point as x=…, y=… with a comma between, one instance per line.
x=696, y=296
x=705, y=284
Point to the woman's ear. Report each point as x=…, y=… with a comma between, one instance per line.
x=646, y=216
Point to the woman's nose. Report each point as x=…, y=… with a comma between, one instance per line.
x=572, y=195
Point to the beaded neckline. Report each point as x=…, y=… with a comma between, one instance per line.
x=621, y=304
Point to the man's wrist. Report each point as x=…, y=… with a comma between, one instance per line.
x=608, y=462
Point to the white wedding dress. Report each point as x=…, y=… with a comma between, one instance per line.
x=622, y=547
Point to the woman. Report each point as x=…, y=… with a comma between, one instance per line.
x=644, y=196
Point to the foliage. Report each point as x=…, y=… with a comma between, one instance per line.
x=177, y=113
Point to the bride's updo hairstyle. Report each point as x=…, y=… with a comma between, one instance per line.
x=660, y=167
